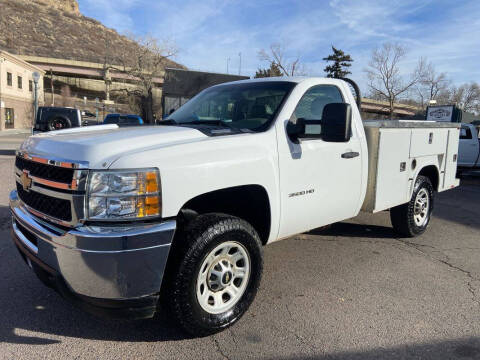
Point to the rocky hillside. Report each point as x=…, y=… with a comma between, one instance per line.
x=56, y=28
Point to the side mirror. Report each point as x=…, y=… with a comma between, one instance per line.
x=297, y=130
x=337, y=122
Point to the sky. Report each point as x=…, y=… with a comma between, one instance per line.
x=209, y=32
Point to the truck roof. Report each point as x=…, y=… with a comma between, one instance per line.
x=293, y=79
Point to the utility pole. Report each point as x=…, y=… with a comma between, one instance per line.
x=51, y=86
x=228, y=60
x=97, y=100
x=36, y=78
x=108, y=81
x=240, y=63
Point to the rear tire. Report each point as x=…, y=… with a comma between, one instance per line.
x=412, y=219
x=214, y=273
x=59, y=124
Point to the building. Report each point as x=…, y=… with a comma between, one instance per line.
x=180, y=85
x=17, y=92
x=87, y=81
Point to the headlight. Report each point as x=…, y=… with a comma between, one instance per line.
x=121, y=195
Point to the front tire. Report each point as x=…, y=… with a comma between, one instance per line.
x=412, y=219
x=215, y=272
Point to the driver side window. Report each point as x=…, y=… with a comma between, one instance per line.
x=310, y=107
x=465, y=133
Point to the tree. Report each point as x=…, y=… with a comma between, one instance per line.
x=276, y=57
x=66, y=99
x=383, y=72
x=466, y=96
x=273, y=71
x=143, y=64
x=431, y=84
x=341, y=63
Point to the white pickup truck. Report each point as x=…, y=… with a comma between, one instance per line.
x=120, y=220
x=469, y=148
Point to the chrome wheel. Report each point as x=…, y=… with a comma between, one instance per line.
x=421, y=207
x=223, y=277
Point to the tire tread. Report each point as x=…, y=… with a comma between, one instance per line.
x=401, y=216
x=190, y=245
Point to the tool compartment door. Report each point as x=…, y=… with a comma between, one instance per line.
x=392, y=172
x=451, y=159
x=428, y=142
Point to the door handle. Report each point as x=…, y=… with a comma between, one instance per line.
x=350, y=155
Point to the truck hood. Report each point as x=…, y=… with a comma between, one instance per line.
x=101, y=145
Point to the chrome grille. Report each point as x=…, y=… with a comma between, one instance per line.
x=47, y=205
x=45, y=171
x=53, y=189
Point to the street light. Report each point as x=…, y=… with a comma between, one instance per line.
x=36, y=77
x=96, y=109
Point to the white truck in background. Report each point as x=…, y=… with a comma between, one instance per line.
x=469, y=148
x=122, y=220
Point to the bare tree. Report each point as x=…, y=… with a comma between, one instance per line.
x=383, y=71
x=276, y=57
x=143, y=62
x=431, y=83
x=467, y=96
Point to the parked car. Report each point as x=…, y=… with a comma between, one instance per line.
x=123, y=119
x=57, y=118
x=469, y=148
x=113, y=218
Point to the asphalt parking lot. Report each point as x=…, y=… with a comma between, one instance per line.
x=354, y=291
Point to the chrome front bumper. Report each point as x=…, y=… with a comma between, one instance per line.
x=110, y=262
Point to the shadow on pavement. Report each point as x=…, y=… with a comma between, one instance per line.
x=461, y=205
x=466, y=348
x=345, y=229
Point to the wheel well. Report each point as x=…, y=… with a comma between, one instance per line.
x=431, y=172
x=248, y=202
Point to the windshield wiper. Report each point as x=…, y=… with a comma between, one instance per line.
x=167, y=122
x=210, y=122
x=216, y=123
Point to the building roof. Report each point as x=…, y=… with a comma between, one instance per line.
x=17, y=60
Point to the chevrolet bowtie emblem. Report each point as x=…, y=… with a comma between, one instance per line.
x=26, y=181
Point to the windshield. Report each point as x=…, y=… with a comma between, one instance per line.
x=243, y=106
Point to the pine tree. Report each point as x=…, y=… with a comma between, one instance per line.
x=273, y=71
x=341, y=63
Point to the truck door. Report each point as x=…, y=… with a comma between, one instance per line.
x=320, y=182
x=468, y=147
